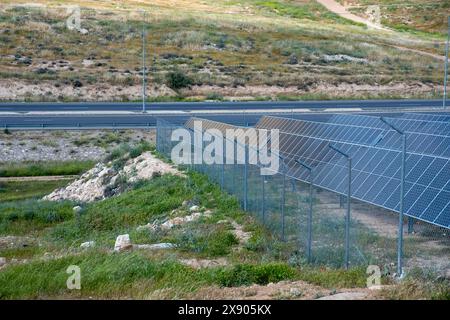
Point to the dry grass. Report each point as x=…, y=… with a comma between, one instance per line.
x=228, y=44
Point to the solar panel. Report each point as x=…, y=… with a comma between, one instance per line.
x=383, y=137
x=376, y=172
x=407, y=125
x=427, y=117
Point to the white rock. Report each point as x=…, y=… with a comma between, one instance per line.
x=88, y=244
x=167, y=225
x=77, y=209
x=147, y=227
x=2, y=261
x=193, y=208
x=123, y=242
x=295, y=292
x=156, y=246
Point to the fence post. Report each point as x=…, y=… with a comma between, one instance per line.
x=309, y=227
x=410, y=225
x=263, y=204
x=347, y=217
x=245, y=178
x=283, y=201
x=224, y=158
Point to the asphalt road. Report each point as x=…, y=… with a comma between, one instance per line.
x=188, y=106
x=129, y=120
x=127, y=115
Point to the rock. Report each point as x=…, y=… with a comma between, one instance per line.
x=343, y=57
x=102, y=181
x=353, y=295
x=185, y=203
x=2, y=261
x=204, y=263
x=123, y=242
x=156, y=246
x=292, y=59
x=77, y=209
x=147, y=227
x=88, y=244
x=193, y=208
x=295, y=292
x=222, y=221
x=167, y=225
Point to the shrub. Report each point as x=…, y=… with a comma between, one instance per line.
x=178, y=80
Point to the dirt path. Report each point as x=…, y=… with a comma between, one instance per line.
x=41, y=178
x=296, y=290
x=340, y=10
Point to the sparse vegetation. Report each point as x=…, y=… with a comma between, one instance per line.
x=49, y=168
x=276, y=51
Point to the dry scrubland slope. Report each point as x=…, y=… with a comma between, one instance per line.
x=208, y=49
x=429, y=16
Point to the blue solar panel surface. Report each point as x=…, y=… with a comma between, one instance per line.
x=408, y=125
x=376, y=169
x=427, y=117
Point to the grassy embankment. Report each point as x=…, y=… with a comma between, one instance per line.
x=143, y=274
x=278, y=52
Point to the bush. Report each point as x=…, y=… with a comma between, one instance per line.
x=178, y=80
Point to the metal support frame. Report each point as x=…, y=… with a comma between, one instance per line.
x=224, y=159
x=263, y=204
x=402, y=199
x=283, y=200
x=310, y=215
x=245, y=177
x=349, y=197
x=444, y=100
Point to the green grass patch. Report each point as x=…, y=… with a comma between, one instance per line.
x=21, y=190
x=23, y=217
x=48, y=168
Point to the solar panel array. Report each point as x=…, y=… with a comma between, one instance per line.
x=408, y=125
x=376, y=169
x=382, y=137
x=428, y=117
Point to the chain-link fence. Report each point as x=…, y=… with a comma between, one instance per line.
x=314, y=219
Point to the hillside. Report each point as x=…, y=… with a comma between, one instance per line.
x=208, y=50
x=187, y=239
x=427, y=16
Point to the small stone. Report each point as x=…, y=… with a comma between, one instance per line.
x=147, y=227
x=77, y=209
x=167, y=225
x=123, y=242
x=156, y=246
x=193, y=208
x=222, y=221
x=2, y=261
x=295, y=292
x=88, y=244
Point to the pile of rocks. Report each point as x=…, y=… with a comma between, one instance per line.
x=96, y=183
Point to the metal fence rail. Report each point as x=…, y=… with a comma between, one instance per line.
x=314, y=220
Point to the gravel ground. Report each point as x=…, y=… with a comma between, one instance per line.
x=19, y=146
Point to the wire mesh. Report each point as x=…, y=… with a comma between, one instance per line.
x=314, y=219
